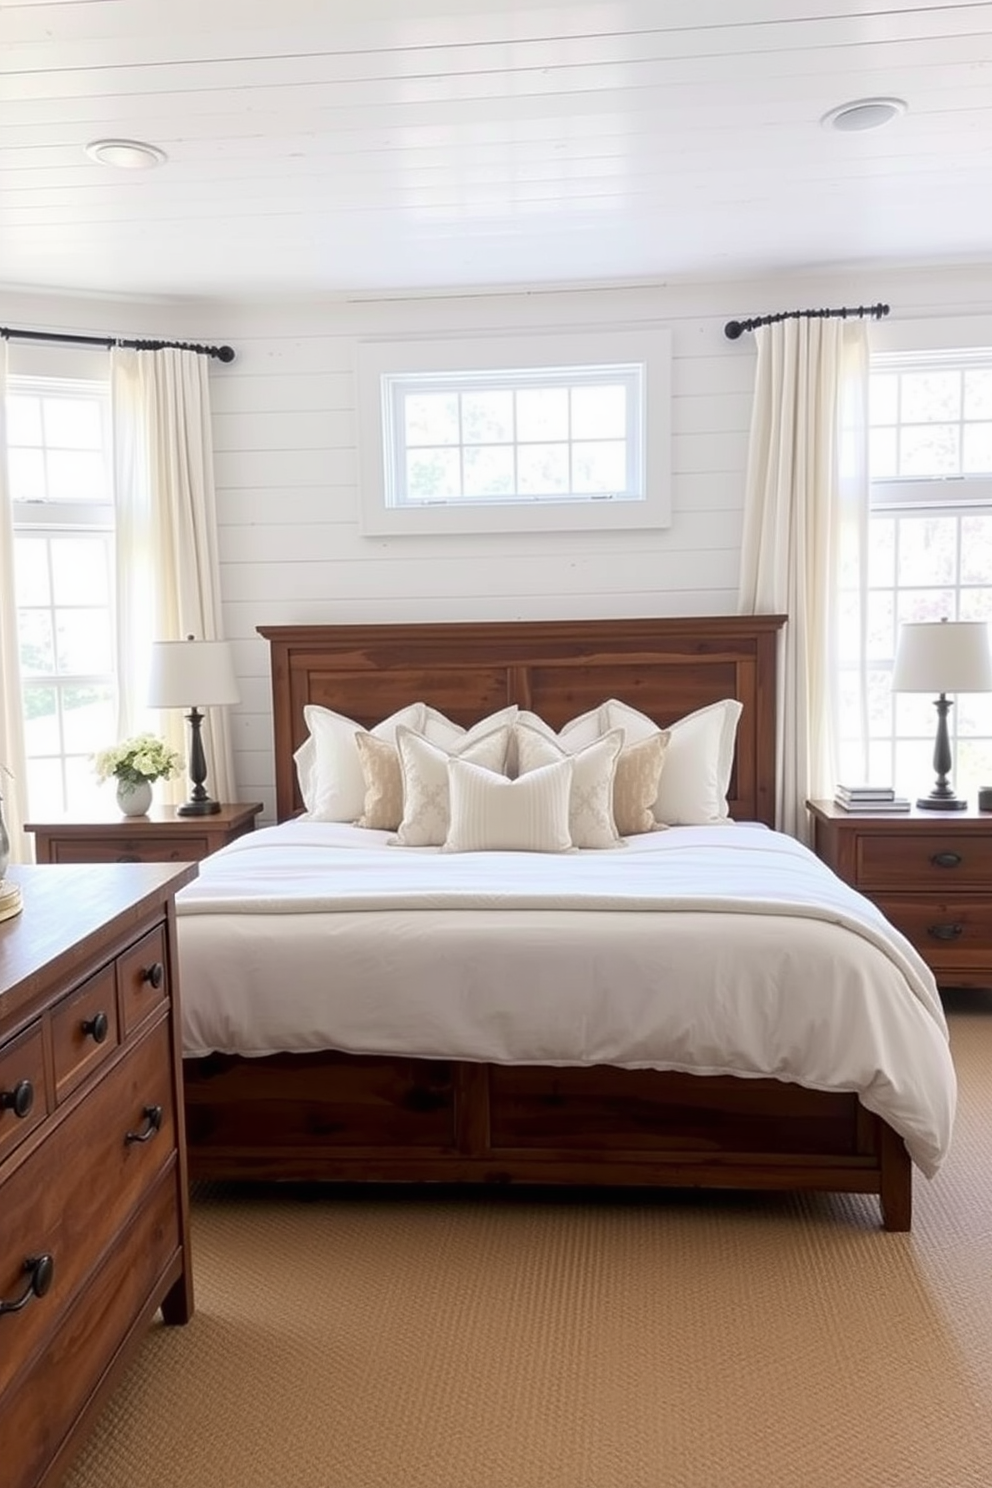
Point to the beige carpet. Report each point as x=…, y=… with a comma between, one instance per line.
x=686, y=1342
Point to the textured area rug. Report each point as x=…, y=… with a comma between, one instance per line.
x=674, y=1341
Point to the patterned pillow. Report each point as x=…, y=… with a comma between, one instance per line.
x=590, y=812
x=424, y=767
x=635, y=786
x=383, y=783
x=490, y=813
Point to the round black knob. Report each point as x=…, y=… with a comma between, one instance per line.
x=19, y=1100
x=97, y=1027
x=154, y=975
x=42, y=1273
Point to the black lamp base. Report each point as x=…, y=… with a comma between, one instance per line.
x=208, y=808
x=199, y=803
x=942, y=797
x=942, y=803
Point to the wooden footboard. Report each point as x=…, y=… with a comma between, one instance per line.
x=341, y=1117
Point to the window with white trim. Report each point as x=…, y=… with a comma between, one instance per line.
x=63, y=516
x=930, y=555
x=500, y=433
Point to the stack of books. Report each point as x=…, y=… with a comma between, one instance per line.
x=869, y=798
x=10, y=899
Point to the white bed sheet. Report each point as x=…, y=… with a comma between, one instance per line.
x=719, y=949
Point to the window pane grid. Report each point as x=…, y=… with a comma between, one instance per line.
x=537, y=435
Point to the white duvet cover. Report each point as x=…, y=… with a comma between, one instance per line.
x=718, y=949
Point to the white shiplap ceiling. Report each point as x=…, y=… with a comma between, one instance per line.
x=368, y=146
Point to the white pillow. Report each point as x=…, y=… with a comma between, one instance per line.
x=574, y=735
x=440, y=730
x=424, y=766
x=490, y=813
x=692, y=789
x=329, y=767
x=590, y=809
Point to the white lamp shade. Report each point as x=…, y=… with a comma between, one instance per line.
x=943, y=656
x=192, y=674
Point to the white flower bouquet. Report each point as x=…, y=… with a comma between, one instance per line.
x=144, y=757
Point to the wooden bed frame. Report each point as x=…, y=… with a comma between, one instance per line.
x=340, y=1117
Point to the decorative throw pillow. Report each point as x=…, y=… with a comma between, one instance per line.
x=635, y=785
x=693, y=786
x=490, y=813
x=590, y=810
x=424, y=767
x=383, y=783
x=440, y=730
x=572, y=736
x=328, y=765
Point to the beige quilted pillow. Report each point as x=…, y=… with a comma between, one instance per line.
x=383, y=783
x=635, y=785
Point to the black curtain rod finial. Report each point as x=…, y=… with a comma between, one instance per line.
x=734, y=329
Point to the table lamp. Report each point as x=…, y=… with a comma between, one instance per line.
x=943, y=656
x=191, y=674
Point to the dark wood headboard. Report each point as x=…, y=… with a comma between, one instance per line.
x=557, y=668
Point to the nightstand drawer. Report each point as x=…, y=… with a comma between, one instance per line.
x=941, y=927
x=944, y=861
x=123, y=849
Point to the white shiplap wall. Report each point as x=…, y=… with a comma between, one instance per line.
x=287, y=466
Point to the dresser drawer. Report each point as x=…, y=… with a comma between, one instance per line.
x=942, y=928
x=185, y=849
x=142, y=979
x=22, y=1065
x=84, y=1030
x=42, y=1407
x=80, y=1188
x=944, y=862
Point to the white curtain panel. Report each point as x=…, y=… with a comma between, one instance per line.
x=805, y=541
x=168, y=575
x=13, y=768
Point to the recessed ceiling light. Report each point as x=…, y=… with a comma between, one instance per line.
x=126, y=154
x=863, y=113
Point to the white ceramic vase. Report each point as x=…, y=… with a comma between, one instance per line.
x=134, y=799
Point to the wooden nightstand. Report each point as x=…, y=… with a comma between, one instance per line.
x=929, y=873
x=159, y=837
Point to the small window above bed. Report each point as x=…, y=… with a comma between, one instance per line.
x=535, y=433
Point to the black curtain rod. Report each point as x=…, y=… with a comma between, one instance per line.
x=222, y=353
x=735, y=328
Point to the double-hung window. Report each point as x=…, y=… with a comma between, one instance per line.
x=63, y=515
x=930, y=553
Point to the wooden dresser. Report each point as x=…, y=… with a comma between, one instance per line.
x=94, y=1220
x=929, y=872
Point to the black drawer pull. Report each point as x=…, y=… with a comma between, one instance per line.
x=945, y=932
x=154, y=975
x=153, y=1116
x=97, y=1027
x=946, y=860
x=19, y=1100
x=42, y=1269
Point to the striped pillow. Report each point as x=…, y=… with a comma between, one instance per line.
x=490, y=813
